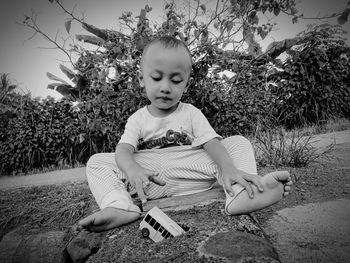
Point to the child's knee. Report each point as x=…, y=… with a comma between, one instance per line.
x=92, y=160
x=237, y=140
x=96, y=159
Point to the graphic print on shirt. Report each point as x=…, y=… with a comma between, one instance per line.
x=172, y=138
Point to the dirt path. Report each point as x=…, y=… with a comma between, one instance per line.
x=54, y=177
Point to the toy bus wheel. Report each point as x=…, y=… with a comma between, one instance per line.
x=145, y=232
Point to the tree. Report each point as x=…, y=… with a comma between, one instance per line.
x=6, y=91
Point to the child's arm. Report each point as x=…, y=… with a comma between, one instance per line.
x=138, y=176
x=230, y=173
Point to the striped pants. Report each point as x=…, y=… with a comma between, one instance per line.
x=185, y=170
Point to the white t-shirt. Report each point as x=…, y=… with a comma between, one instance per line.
x=185, y=126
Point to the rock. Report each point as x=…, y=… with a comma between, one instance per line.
x=25, y=245
x=84, y=245
x=8, y=246
x=238, y=246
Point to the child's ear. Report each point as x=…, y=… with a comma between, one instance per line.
x=140, y=77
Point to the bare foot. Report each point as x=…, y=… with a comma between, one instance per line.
x=276, y=185
x=107, y=218
x=278, y=179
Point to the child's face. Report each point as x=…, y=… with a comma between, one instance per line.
x=165, y=73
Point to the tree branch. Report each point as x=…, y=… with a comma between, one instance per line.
x=30, y=22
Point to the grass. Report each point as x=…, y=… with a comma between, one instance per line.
x=277, y=147
x=52, y=206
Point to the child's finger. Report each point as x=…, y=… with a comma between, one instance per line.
x=140, y=192
x=155, y=179
x=253, y=178
x=146, y=186
x=247, y=187
x=228, y=188
x=258, y=184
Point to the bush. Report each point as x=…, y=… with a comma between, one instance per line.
x=312, y=87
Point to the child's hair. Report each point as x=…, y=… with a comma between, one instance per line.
x=166, y=42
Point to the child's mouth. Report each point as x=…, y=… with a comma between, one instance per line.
x=164, y=98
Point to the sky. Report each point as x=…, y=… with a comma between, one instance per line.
x=27, y=61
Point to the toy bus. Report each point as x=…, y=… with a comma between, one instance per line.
x=157, y=225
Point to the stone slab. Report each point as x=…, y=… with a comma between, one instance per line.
x=23, y=245
x=318, y=232
x=237, y=246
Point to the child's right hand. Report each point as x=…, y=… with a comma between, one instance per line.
x=141, y=178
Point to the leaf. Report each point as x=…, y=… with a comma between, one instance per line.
x=53, y=77
x=203, y=7
x=148, y=9
x=65, y=90
x=262, y=34
x=81, y=137
x=212, y=97
x=263, y=9
x=229, y=26
x=69, y=73
x=96, y=31
x=276, y=11
x=196, y=33
x=68, y=25
x=255, y=20
x=90, y=39
x=343, y=18
x=295, y=19
x=293, y=10
x=53, y=86
x=11, y=88
x=216, y=24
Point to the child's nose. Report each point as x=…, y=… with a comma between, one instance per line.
x=165, y=86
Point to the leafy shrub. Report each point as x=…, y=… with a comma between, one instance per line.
x=314, y=86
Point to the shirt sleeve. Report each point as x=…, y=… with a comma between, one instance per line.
x=132, y=131
x=202, y=130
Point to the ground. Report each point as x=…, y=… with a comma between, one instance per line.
x=324, y=181
x=327, y=180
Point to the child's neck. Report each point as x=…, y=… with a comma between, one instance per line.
x=161, y=113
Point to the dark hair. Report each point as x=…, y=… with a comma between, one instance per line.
x=166, y=42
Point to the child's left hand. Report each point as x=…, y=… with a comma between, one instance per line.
x=242, y=178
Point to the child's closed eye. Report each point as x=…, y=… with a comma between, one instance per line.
x=176, y=81
x=156, y=78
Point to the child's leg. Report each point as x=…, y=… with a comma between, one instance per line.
x=106, y=184
x=276, y=185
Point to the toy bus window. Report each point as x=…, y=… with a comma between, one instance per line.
x=156, y=226
x=148, y=218
x=161, y=229
x=166, y=234
x=152, y=222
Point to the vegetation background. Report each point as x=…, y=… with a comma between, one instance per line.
x=295, y=82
